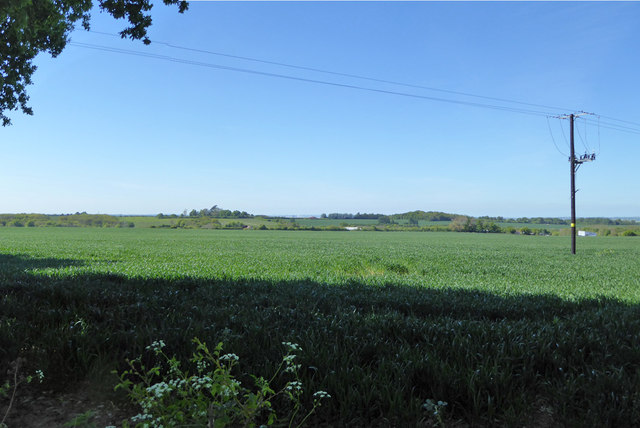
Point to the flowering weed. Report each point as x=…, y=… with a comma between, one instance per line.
x=211, y=396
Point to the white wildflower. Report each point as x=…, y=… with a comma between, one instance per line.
x=156, y=346
x=294, y=386
x=229, y=357
x=292, y=346
x=321, y=394
x=159, y=389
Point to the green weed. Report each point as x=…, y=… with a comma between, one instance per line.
x=211, y=396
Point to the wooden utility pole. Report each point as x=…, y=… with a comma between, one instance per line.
x=574, y=164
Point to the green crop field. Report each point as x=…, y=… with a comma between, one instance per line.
x=508, y=330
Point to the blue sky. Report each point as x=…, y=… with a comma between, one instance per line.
x=118, y=133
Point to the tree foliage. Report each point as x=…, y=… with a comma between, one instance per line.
x=217, y=212
x=28, y=27
x=413, y=216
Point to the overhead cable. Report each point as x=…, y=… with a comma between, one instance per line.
x=607, y=125
x=354, y=76
x=302, y=79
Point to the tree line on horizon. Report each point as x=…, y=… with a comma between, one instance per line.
x=62, y=220
x=414, y=216
x=213, y=212
x=410, y=221
x=411, y=217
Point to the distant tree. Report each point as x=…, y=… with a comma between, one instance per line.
x=493, y=228
x=457, y=224
x=323, y=215
x=385, y=219
x=340, y=216
x=462, y=223
x=470, y=225
x=193, y=213
x=365, y=216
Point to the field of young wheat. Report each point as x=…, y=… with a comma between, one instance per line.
x=506, y=330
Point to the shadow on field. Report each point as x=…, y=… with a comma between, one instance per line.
x=379, y=351
x=23, y=262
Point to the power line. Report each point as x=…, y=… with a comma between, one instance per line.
x=553, y=139
x=613, y=126
x=598, y=135
x=302, y=79
x=584, y=143
x=564, y=135
x=586, y=137
x=630, y=128
x=620, y=120
x=355, y=76
x=605, y=125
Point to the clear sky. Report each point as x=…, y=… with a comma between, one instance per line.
x=129, y=134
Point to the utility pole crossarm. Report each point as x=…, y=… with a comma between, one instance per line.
x=586, y=158
x=568, y=116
